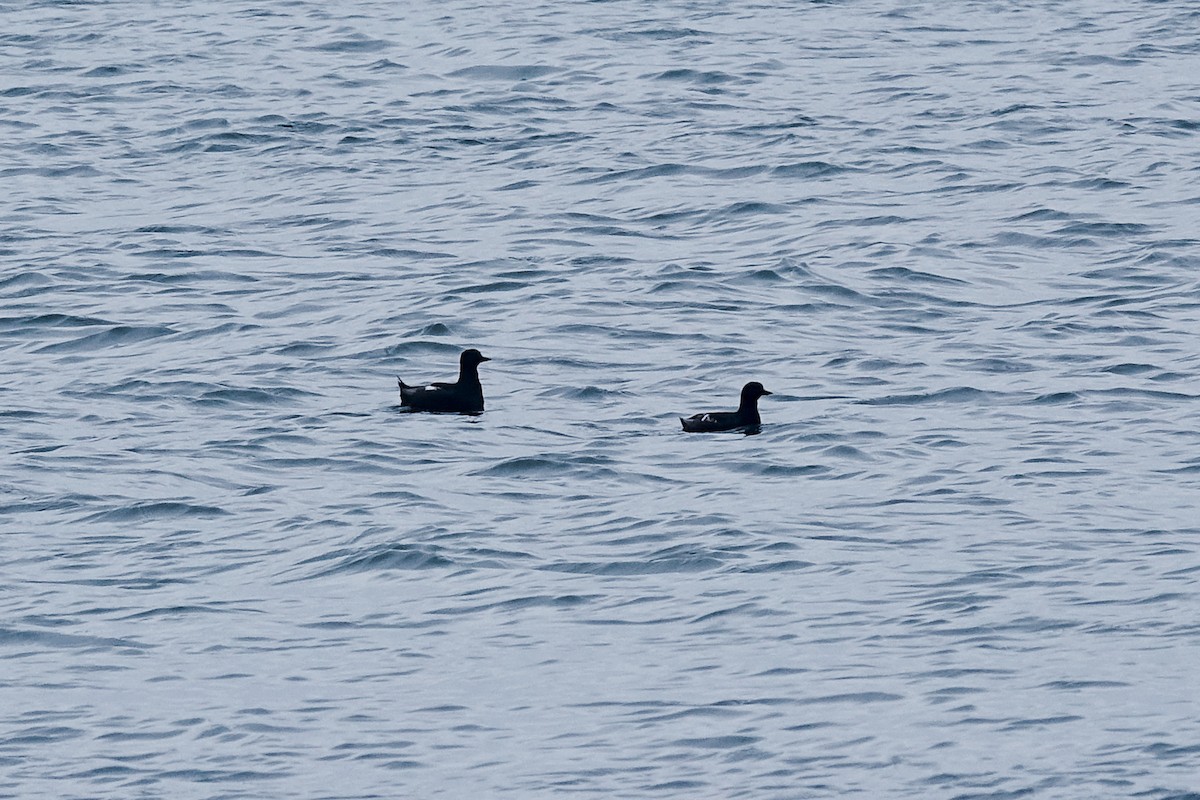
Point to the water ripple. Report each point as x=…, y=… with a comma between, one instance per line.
x=959, y=558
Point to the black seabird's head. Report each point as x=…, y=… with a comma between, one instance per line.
x=472, y=358
x=753, y=390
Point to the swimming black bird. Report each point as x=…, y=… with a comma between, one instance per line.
x=464, y=396
x=746, y=416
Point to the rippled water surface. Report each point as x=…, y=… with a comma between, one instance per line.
x=958, y=242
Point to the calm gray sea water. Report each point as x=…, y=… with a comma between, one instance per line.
x=958, y=241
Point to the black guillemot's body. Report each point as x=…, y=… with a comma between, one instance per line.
x=745, y=417
x=465, y=396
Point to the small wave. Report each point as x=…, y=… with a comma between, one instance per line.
x=420, y=348
x=640, y=173
x=390, y=556
x=1055, y=398
x=788, y=565
x=586, y=393
x=41, y=505
x=408, y=254
x=517, y=185
x=808, y=169
x=158, y=390
x=25, y=638
x=654, y=34
x=176, y=611
x=847, y=451
x=357, y=43
x=548, y=465
x=718, y=742
x=1040, y=214
x=995, y=365
x=958, y=394
x=1145, y=394
x=853, y=697
x=494, y=286
x=387, y=65
x=23, y=280
x=702, y=77
x=1069, y=685
x=907, y=275
x=41, y=734
x=1118, y=229
x=304, y=349
x=875, y=220
x=1015, y=107
x=1098, y=184
x=1130, y=369
x=768, y=276
x=521, y=603
x=682, y=558
x=747, y=208
x=50, y=321
x=75, y=171
x=499, y=72
x=204, y=230
x=275, y=395
x=1018, y=239
x=148, y=511
x=781, y=470
x=110, y=71
x=118, y=336
x=1022, y=724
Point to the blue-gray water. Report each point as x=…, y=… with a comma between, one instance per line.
x=958, y=241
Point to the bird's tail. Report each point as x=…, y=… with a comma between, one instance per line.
x=403, y=385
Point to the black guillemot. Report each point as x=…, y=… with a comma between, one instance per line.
x=745, y=417
x=465, y=396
